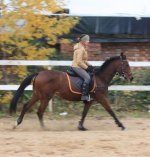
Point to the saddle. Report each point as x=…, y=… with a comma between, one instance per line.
x=75, y=82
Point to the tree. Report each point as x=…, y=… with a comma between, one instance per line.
x=28, y=32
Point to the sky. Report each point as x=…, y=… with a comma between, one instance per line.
x=137, y=8
x=6, y=1
x=133, y=8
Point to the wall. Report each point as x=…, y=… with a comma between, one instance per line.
x=101, y=51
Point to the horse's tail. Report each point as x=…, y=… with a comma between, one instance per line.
x=19, y=92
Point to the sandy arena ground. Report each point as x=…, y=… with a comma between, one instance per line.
x=62, y=139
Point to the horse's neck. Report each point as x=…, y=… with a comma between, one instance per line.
x=108, y=73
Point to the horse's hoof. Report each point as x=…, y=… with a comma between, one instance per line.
x=15, y=126
x=122, y=128
x=82, y=128
x=44, y=128
x=18, y=121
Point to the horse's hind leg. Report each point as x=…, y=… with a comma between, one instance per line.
x=84, y=113
x=26, y=107
x=41, y=109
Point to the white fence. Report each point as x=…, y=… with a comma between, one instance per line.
x=61, y=63
x=68, y=63
x=113, y=87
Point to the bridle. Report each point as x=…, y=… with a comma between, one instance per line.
x=122, y=68
x=122, y=73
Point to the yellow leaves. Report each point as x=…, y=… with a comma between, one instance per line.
x=23, y=44
x=37, y=35
x=128, y=93
x=22, y=71
x=8, y=70
x=4, y=37
x=6, y=98
x=1, y=74
x=26, y=35
x=65, y=41
x=38, y=53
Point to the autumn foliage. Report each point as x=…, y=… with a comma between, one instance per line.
x=28, y=34
x=28, y=31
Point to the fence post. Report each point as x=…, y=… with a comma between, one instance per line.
x=50, y=104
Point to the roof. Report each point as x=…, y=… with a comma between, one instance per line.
x=114, y=29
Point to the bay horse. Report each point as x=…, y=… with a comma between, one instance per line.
x=47, y=83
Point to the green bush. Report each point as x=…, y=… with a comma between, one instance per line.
x=138, y=100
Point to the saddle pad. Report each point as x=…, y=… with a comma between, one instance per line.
x=75, y=84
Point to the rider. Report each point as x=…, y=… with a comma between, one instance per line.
x=81, y=65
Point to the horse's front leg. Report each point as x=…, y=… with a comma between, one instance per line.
x=104, y=102
x=84, y=113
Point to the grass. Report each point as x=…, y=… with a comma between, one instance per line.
x=99, y=114
x=94, y=114
x=74, y=109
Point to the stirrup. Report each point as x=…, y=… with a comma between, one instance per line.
x=90, y=98
x=86, y=98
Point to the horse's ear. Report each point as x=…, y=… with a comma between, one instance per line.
x=123, y=56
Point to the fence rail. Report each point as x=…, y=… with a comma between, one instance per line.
x=68, y=63
x=113, y=87
x=61, y=63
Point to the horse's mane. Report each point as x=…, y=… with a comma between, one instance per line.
x=105, y=64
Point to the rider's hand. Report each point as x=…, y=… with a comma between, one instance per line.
x=90, y=69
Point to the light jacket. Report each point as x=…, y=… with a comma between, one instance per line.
x=80, y=57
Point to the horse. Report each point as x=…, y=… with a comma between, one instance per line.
x=48, y=83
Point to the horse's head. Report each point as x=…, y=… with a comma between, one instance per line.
x=124, y=68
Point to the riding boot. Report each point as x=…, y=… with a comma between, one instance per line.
x=85, y=92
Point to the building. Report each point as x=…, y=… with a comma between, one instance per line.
x=112, y=35
x=114, y=27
